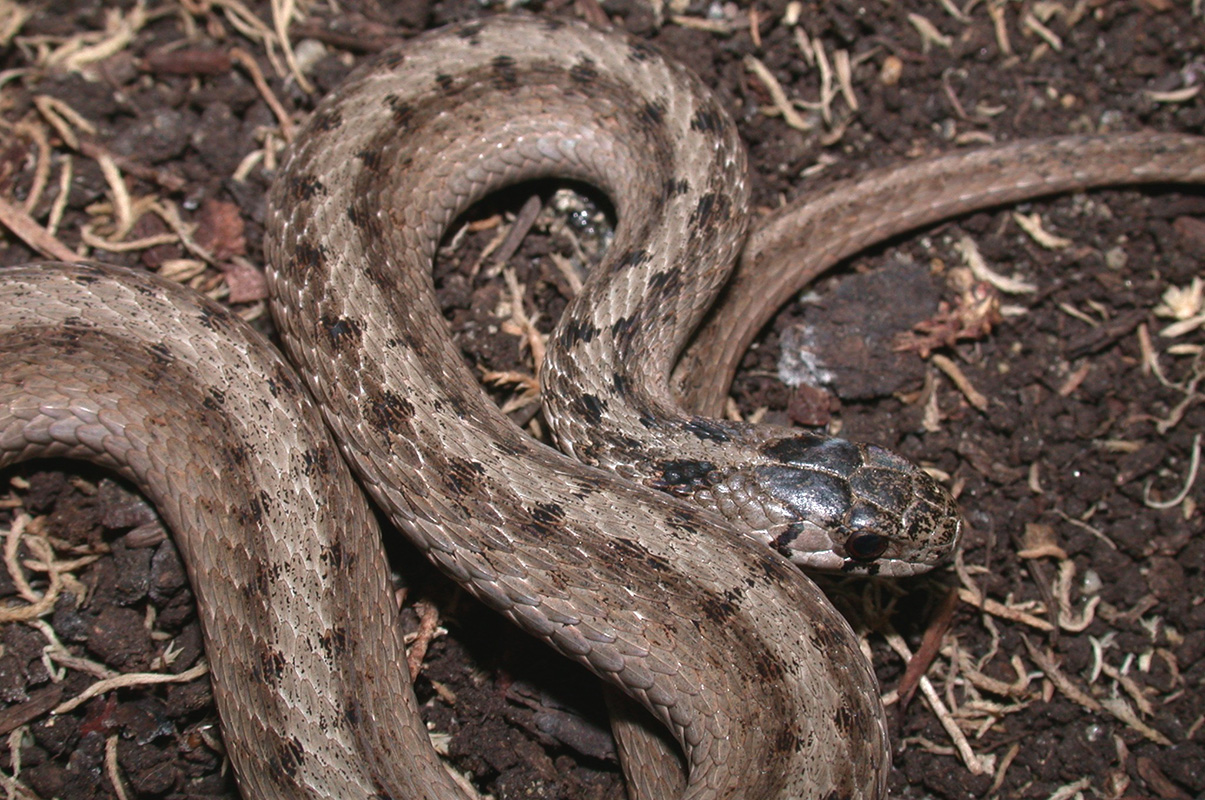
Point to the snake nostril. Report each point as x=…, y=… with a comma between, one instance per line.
x=865, y=546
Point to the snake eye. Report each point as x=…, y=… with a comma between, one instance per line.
x=865, y=546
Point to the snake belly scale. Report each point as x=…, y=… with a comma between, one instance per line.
x=760, y=681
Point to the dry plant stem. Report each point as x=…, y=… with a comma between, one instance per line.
x=29, y=231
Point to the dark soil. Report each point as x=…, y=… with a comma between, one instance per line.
x=1059, y=474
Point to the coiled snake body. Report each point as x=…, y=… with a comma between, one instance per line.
x=759, y=680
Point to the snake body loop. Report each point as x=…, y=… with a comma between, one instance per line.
x=762, y=684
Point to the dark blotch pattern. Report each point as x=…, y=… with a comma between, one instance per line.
x=389, y=412
x=684, y=476
x=506, y=76
x=591, y=408
x=309, y=255
x=344, y=333
x=288, y=759
x=463, y=477
x=584, y=71
x=304, y=187
x=470, y=33
x=639, y=51
x=652, y=115
x=706, y=120
x=336, y=557
x=713, y=208
x=630, y=550
x=160, y=353
x=578, y=331
x=632, y=258
x=270, y=666
x=334, y=643
x=327, y=119
x=400, y=111
x=317, y=460
x=707, y=430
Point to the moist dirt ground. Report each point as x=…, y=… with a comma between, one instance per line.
x=1064, y=651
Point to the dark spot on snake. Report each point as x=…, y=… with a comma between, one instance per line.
x=462, y=476
x=829, y=638
x=633, y=258
x=317, y=460
x=862, y=568
x=706, y=120
x=585, y=486
x=400, y=110
x=713, y=208
x=621, y=327
x=804, y=449
x=77, y=322
x=782, y=543
x=649, y=420
x=351, y=712
x=235, y=455
x=787, y=741
x=639, y=51
x=389, y=412
x=160, y=353
x=685, y=521
x=552, y=23
x=707, y=430
x=578, y=330
x=652, y=115
x=334, y=642
x=215, y=399
x=87, y=275
x=336, y=557
x=666, y=280
x=542, y=525
x=281, y=382
x=327, y=119
x=344, y=333
x=590, y=407
x=685, y=476
x=307, y=255
x=549, y=513
x=269, y=666
x=846, y=720
x=505, y=74
x=288, y=759
x=717, y=609
x=584, y=71
x=361, y=216
x=445, y=81
x=459, y=407
x=769, y=669
x=393, y=58
x=630, y=550
x=673, y=187
x=304, y=187
x=371, y=159
x=261, y=581
x=470, y=31
x=210, y=319
x=621, y=386
x=507, y=448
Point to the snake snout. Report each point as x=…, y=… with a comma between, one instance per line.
x=855, y=507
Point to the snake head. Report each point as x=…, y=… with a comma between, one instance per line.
x=834, y=505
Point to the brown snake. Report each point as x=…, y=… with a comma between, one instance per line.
x=760, y=681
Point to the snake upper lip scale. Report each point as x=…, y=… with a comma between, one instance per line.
x=760, y=681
